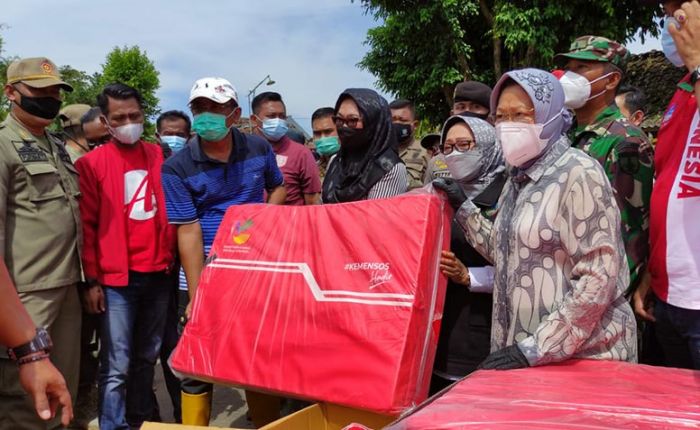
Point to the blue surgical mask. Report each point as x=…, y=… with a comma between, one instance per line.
x=668, y=45
x=327, y=145
x=175, y=143
x=274, y=129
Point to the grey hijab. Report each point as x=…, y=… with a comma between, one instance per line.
x=491, y=160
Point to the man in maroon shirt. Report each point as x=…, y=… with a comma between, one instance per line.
x=298, y=165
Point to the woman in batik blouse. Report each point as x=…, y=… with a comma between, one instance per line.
x=555, y=244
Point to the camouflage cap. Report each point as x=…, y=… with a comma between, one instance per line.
x=70, y=115
x=596, y=48
x=38, y=72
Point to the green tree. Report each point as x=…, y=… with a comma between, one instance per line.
x=425, y=47
x=85, y=86
x=4, y=62
x=131, y=66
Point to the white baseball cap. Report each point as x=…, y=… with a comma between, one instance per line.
x=218, y=90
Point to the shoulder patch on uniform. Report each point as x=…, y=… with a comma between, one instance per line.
x=30, y=154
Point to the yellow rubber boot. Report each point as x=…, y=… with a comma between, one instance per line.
x=196, y=409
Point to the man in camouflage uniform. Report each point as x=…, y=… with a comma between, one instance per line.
x=40, y=229
x=604, y=133
x=403, y=116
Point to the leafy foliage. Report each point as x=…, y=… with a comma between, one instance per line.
x=130, y=66
x=85, y=87
x=425, y=47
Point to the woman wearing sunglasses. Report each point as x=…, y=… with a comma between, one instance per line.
x=367, y=165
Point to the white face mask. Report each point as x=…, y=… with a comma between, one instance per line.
x=464, y=166
x=577, y=89
x=128, y=133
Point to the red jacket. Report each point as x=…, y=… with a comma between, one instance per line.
x=105, y=247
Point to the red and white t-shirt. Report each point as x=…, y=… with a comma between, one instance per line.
x=674, y=262
x=140, y=209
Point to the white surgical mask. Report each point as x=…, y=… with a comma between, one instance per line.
x=128, y=133
x=668, y=45
x=464, y=166
x=577, y=89
x=521, y=142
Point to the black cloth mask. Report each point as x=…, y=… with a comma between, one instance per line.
x=42, y=107
x=404, y=132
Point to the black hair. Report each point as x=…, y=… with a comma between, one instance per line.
x=173, y=115
x=117, y=91
x=268, y=96
x=323, y=112
x=402, y=104
x=90, y=115
x=635, y=99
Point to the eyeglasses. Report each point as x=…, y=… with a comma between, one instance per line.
x=527, y=117
x=462, y=145
x=350, y=122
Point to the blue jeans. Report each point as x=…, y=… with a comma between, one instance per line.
x=131, y=335
x=678, y=333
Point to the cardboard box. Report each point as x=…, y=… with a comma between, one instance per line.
x=165, y=426
x=329, y=417
x=314, y=417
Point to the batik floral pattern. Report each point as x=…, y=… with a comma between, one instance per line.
x=560, y=262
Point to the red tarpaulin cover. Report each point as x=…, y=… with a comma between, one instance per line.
x=586, y=394
x=336, y=303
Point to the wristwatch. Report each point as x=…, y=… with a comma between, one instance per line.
x=40, y=343
x=695, y=75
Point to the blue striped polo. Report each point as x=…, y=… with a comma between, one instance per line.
x=199, y=188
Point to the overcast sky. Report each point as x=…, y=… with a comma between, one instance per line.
x=309, y=47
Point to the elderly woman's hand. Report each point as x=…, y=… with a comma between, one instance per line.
x=454, y=269
x=455, y=193
x=508, y=358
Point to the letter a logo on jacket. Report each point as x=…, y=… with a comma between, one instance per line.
x=135, y=189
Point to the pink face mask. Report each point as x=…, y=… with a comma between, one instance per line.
x=521, y=142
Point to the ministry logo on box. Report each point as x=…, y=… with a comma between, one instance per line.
x=240, y=236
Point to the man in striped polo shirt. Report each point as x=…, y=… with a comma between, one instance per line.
x=219, y=167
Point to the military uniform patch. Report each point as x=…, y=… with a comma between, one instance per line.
x=31, y=154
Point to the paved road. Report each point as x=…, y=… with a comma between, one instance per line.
x=228, y=408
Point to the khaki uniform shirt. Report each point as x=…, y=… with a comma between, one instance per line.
x=416, y=160
x=40, y=230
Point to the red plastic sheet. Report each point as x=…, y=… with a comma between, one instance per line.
x=573, y=395
x=335, y=303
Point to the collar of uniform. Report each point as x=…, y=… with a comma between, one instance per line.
x=200, y=156
x=18, y=128
x=553, y=153
x=608, y=115
x=403, y=149
x=685, y=85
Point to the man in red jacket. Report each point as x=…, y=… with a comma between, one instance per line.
x=128, y=250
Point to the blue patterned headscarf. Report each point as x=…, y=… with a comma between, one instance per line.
x=547, y=96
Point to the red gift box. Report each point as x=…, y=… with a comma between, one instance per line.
x=577, y=394
x=335, y=303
